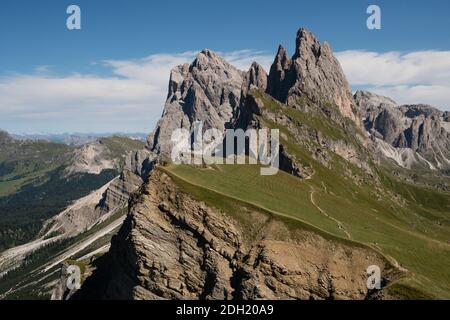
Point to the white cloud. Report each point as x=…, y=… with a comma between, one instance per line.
x=130, y=99
x=416, y=77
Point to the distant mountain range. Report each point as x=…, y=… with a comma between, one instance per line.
x=76, y=139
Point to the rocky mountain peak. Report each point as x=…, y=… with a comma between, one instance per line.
x=209, y=59
x=370, y=103
x=313, y=72
x=282, y=59
x=207, y=90
x=255, y=77
x=370, y=99
x=420, y=128
x=305, y=42
x=280, y=78
x=210, y=89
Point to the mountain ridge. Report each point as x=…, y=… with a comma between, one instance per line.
x=419, y=128
x=329, y=153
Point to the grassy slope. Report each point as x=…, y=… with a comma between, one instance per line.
x=118, y=146
x=23, y=162
x=422, y=254
x=406, y=222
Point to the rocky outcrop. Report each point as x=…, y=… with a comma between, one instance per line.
x=91, y=158
x=78, y=217
x=289, y=164
x=446, y=116
x=172, y=246
x=281, y=77
x=118, y=193
x=420, y=128
x=97, y=206
x=61, y=292
x=207, y=90
x=313, y=72
x=140, y=162
x=256, y=77
x=102, y=203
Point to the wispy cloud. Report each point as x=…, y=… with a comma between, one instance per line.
x=132, y=95
x=131, y=98
x=42, y=69
x=415, y=77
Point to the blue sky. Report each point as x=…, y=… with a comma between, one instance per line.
x=121, y=39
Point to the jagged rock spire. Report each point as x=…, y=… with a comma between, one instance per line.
x=280, y=78
x=313, y=72
x=210, y=89
x=255, y=77
x=207, y=90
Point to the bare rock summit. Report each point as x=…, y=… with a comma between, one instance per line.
x=207, y=90
x=313, y=72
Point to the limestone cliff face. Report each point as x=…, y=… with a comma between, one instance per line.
x=172, y=246
x=119, y=191
x=314, y=72
x=138, y=165
x=91, y=158
x=256, y=77
x=102, y=203
x=207, y=90
x=140, y=162
x=214, y=92
x=420, y=128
